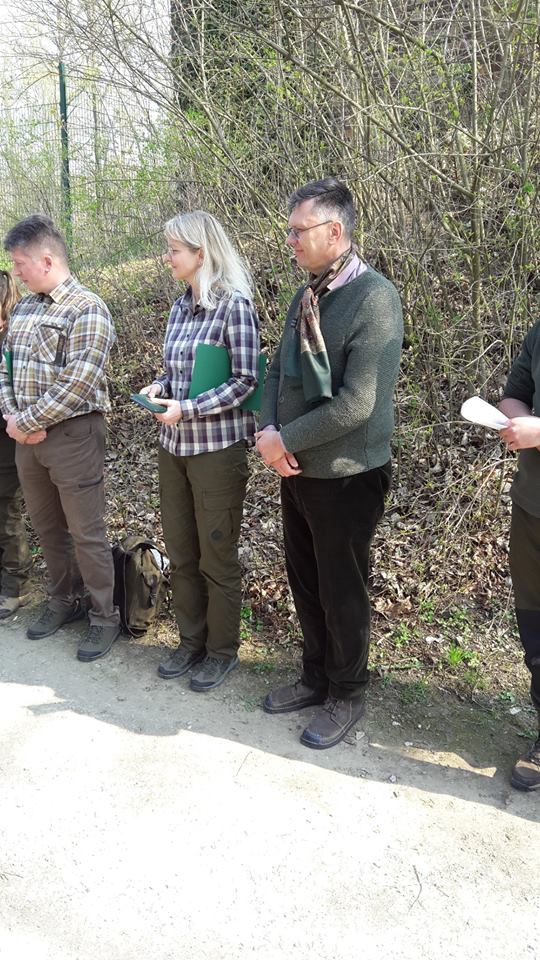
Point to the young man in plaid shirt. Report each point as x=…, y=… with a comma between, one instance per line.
x=59, y=339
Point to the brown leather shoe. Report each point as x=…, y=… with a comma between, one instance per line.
x=331, y=722
x=526, y=773
x=292, y=696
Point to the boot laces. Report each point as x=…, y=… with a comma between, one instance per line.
x=330, y=705
x=47, y=615
x=94, y=634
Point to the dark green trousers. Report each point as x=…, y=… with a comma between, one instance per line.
x=202, y=499
x=525, y=570
x=15, y=559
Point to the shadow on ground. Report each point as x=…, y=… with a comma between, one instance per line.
x=436, y=744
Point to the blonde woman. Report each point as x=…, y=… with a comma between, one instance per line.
x=202, y=455
x=15, y=559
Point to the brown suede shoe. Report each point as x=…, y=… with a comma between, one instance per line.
x=526, y=773
x=97, y=642
x=293, y=696
x=212, y=672
x=51, y=620
x=331, y=722
x=179, y=662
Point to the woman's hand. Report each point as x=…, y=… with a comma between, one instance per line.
x=151, y=391
x=173, y=414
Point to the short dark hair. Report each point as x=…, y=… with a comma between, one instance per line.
x=331, y=196
x=36, y=230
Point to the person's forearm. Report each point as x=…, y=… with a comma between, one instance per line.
x=74, y=386
x=225, y=397
x=514, y=408
x=8, y=404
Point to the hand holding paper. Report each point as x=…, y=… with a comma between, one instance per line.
x=519, y=433
x=478, y=411
x=522, y=433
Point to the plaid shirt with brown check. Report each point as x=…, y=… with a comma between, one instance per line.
x=59, y=344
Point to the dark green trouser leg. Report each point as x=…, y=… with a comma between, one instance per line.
x=201, y=507
x=525, y=570
x=15, y=559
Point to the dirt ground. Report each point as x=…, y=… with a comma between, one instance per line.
x=142, y=819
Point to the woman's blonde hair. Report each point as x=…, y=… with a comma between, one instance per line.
x=9, y=296
x=222, y=271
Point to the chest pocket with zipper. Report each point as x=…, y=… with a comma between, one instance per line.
x=49, y=344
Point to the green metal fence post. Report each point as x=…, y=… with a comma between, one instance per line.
x=65, y=177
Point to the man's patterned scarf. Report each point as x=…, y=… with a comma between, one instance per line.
x=308, y=360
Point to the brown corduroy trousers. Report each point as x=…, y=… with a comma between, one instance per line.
x=62, y=481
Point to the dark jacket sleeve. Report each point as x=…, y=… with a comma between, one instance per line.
x=520, y=383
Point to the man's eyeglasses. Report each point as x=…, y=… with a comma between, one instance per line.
x=296, y=232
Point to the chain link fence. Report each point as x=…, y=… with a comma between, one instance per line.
x=107, y=182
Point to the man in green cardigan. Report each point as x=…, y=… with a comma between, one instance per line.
x=326, y=425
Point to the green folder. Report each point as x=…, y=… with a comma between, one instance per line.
x=8, y=357
x=212, y=367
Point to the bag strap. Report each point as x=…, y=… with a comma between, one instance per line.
x=133, y=542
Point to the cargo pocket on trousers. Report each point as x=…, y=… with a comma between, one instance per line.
x=223, y=514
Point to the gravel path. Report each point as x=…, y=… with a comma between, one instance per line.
x=139, y=819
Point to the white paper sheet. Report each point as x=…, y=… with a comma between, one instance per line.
x=478, y=411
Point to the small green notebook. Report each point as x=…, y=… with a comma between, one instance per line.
x=212, y=367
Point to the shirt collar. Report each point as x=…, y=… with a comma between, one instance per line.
x=188, y=296
x=59, y=294
x=353, y=270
